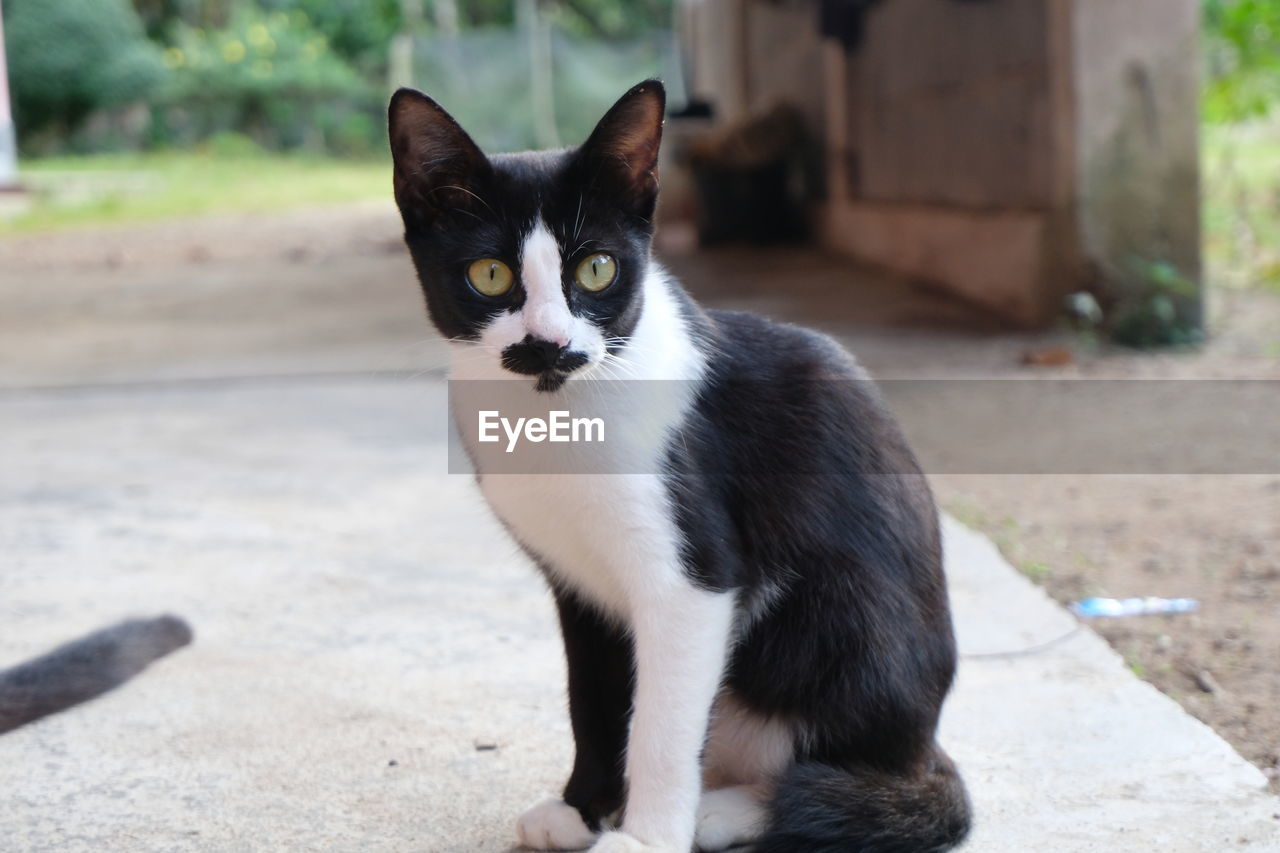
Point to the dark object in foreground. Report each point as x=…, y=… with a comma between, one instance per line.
x=86, y=668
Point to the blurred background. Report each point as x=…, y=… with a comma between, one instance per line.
x=214, y=361
x=128, y=110
x=1115, y=133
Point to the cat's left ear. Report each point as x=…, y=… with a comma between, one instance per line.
x=621, y=155
x=437, y=165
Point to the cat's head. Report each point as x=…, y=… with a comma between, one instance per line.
x=540, y=257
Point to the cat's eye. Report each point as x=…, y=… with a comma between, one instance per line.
x=596, y=272
x=490, y=276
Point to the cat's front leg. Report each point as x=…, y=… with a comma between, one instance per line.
x=681, y=636
x=599, y=660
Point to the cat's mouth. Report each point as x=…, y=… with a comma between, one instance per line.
x=551, y=363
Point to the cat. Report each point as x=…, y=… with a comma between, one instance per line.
x=756, y=626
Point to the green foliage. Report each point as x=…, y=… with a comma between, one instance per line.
x=1156, y=305
x=359, y=31
x=309, y=73
x=476, y=14
x=1153, y=312
x=1242, y=54
x=158, y=16
x=272, y=76
x=69, y=58
x=610, y=19
x=1242, y=204
x=1242, y=152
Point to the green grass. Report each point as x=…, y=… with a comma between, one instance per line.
x=1241, y=179
x=1004, y=535
x=121, y=188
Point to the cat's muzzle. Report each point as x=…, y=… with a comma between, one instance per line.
x=547, y=360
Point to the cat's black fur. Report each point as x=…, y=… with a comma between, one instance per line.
x=577, y=192
x=791, y=484
x=858, y=651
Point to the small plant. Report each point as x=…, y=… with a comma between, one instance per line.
x=1037, y=572
x=1155, y=310
x=1157, y=306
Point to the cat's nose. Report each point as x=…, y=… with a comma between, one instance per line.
x=548, y=351
x=534, y=355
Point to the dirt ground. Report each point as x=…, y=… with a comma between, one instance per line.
x=1215, y=538
x=1211, y=537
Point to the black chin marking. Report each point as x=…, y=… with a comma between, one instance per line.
x=552, y=380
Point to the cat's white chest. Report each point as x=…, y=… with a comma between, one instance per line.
x=607, y=531
x=608, y=537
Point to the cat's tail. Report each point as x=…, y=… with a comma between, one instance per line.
x=823, y=809
x=85, y=668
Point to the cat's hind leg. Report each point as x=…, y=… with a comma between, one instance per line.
x=745, y=753
x=731, y=816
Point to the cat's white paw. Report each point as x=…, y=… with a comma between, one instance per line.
x=620, y=842
x=552, y=824
x=727, y=817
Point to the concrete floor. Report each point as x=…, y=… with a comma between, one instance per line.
x=257, y=443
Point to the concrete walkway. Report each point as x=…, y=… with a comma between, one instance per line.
x=375, y=667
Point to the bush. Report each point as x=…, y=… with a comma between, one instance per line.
x=71, y=58
x=1242, y=52
x=358, y=30
x=271, y=76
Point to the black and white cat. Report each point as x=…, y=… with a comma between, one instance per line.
x=757, y=629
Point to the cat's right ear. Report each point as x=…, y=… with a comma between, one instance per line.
x=437, y=165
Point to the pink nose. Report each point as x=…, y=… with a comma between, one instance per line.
x=560, y=341
x=549, y=322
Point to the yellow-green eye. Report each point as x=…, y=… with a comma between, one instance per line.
x=596, y=272
x=490, y=276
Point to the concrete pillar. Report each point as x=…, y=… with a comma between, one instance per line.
x=1136, y=79
x=716, y=51
x=1014, y=151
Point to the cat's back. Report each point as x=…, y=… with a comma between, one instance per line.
x=750, y=346
x=796, y=437
x=796, y=397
